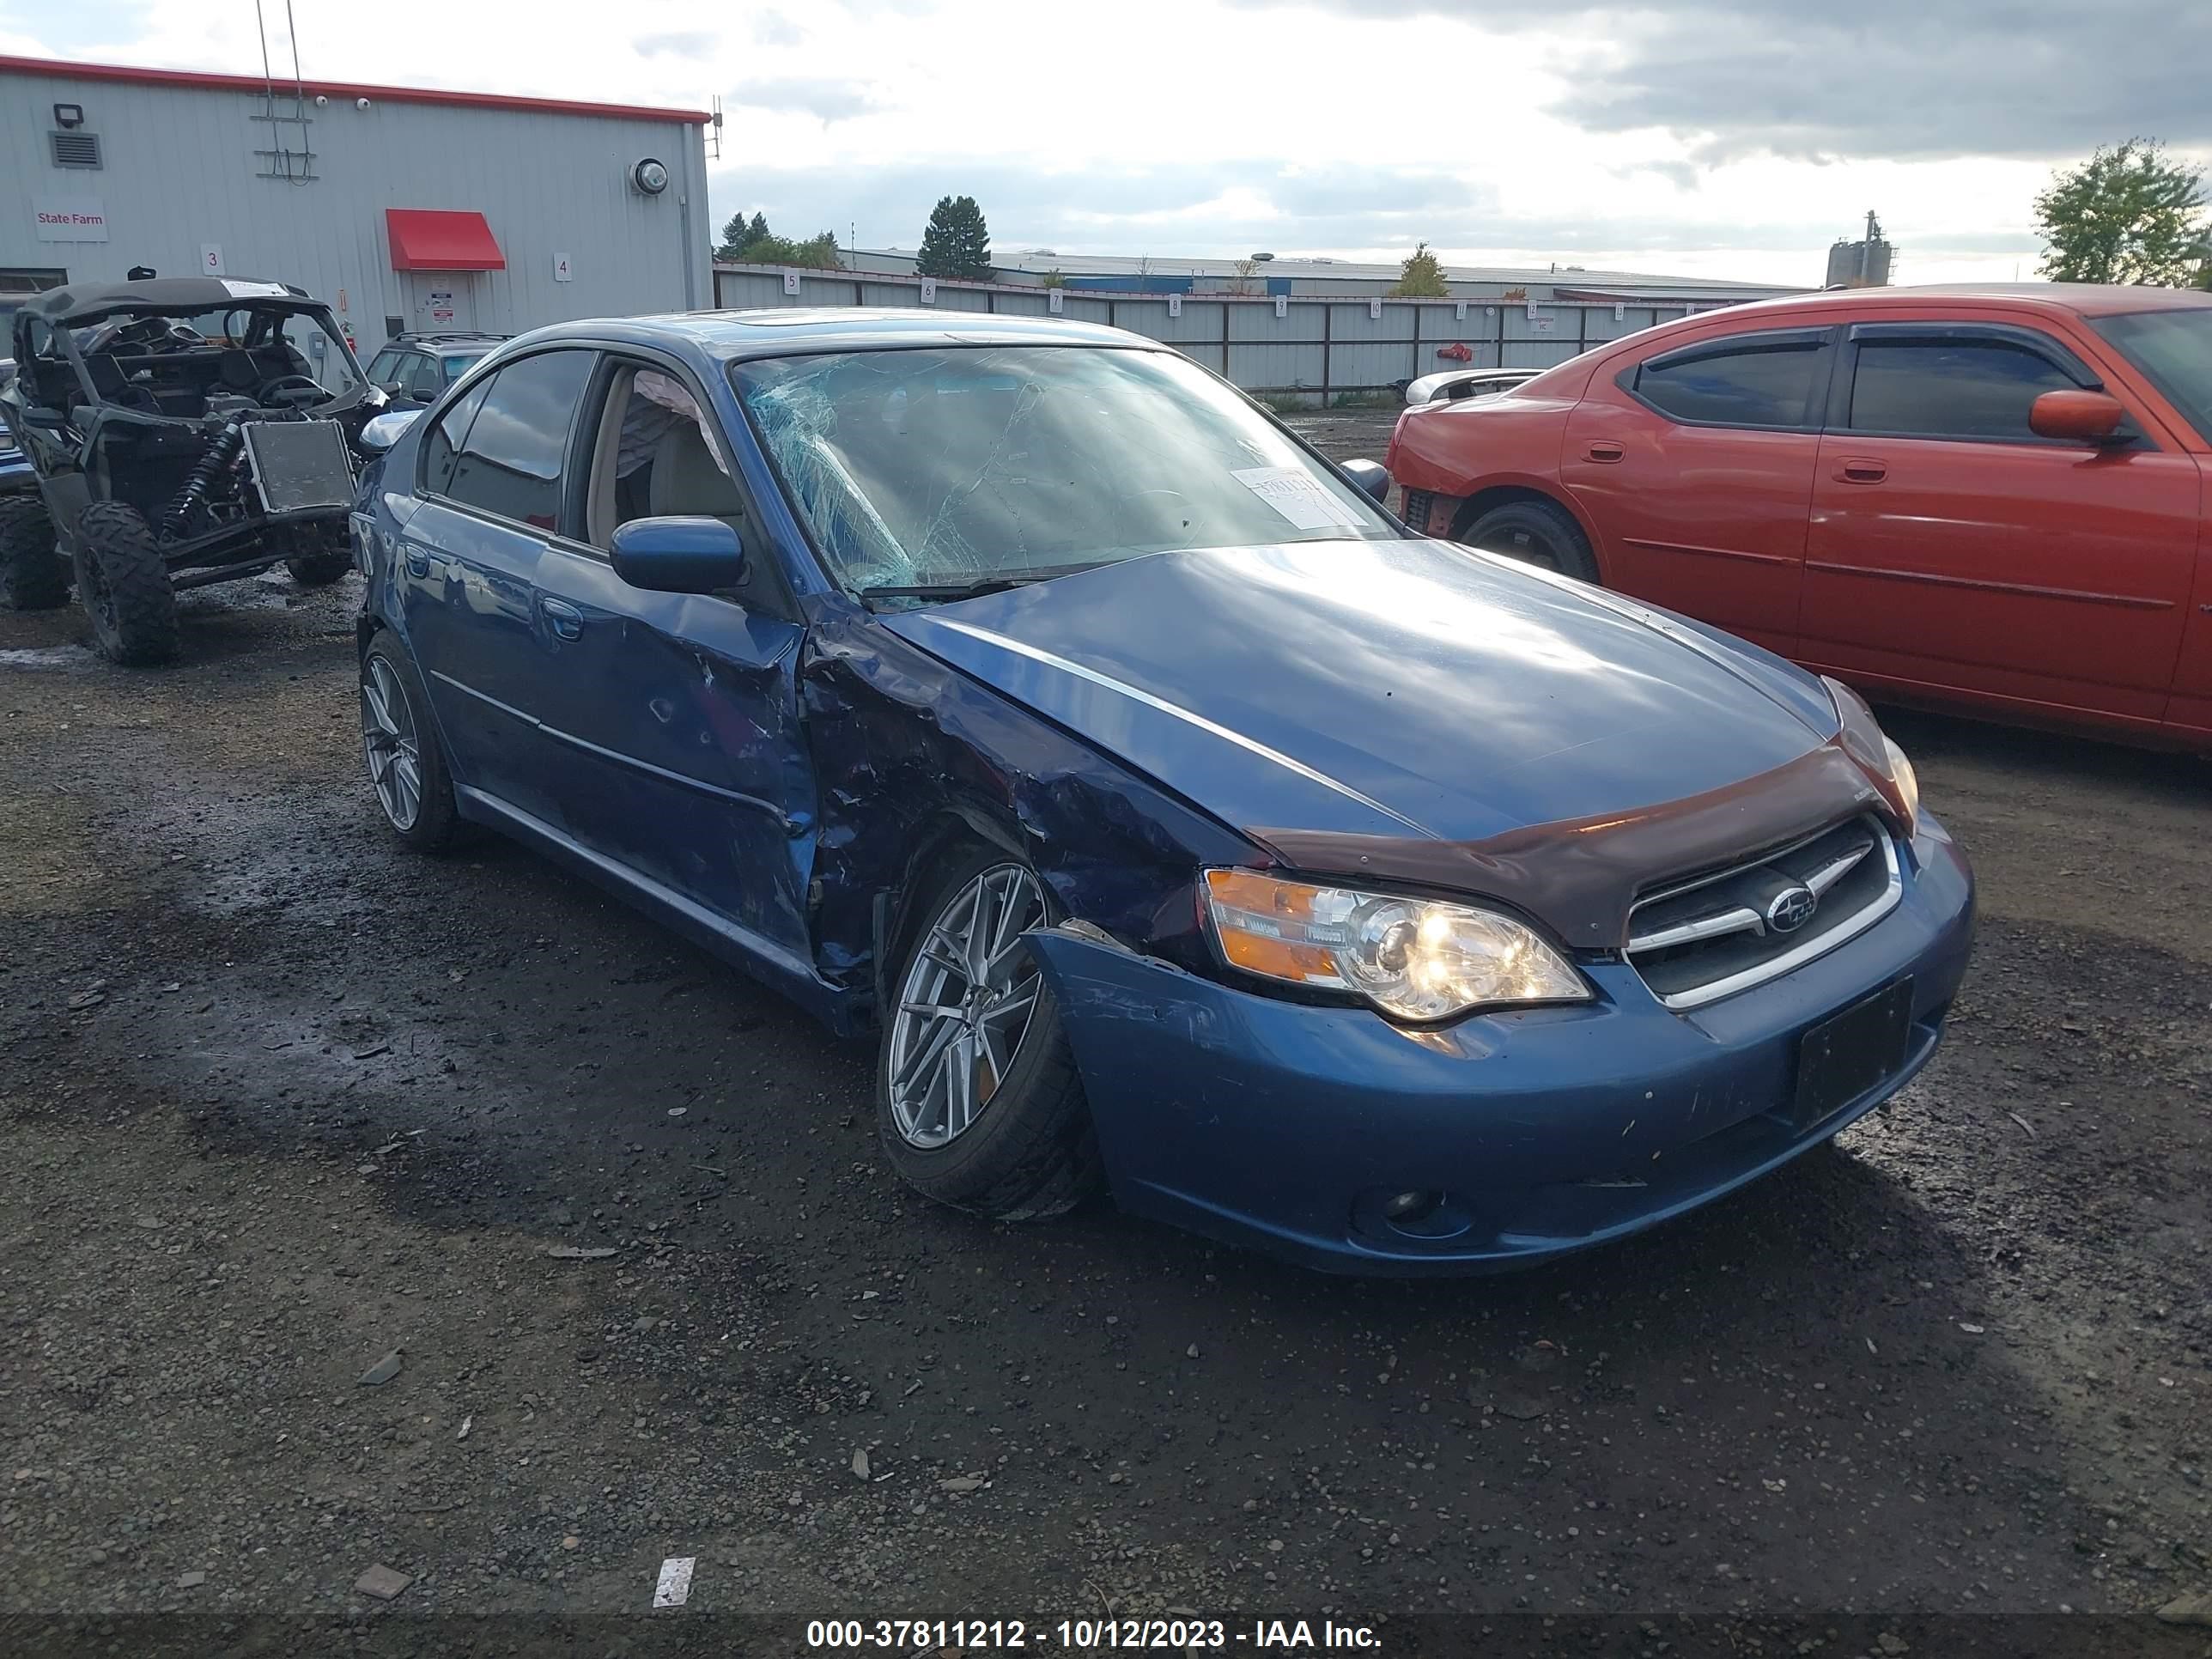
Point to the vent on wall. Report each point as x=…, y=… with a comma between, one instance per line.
x=76, y=149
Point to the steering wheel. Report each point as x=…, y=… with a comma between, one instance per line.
x=301, y=384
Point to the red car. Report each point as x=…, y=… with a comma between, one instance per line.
x=1991, y=499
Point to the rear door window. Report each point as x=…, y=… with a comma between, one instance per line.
x=511, y=461
x=1951, y=388
x=1767, y=383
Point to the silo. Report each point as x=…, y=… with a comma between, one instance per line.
x=1861, y=263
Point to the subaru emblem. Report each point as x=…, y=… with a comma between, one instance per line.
x=1791, y=909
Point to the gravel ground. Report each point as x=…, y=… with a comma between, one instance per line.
x=284, y=1110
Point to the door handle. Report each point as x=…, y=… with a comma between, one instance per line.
x=565, y=620
x=1604, y=451
x=1861, y=469
x=418, y=564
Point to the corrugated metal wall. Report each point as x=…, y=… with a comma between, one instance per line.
x=179, y=171
x=1323, y=348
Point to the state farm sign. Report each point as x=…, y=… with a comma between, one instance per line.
x=74, y=218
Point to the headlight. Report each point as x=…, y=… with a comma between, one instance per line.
x=1416, y=959
x=1865, y=742
x=1906, y=779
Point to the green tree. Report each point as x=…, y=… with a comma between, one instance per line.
x=956, y=243
x=751, y=242
x=1421, y=277
x=2126, y=215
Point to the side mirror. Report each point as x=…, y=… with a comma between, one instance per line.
x=380, y=432
x=2086, y=417
x=1371, y=478
x=677, y=554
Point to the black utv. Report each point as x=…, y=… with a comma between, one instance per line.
x=185, y=431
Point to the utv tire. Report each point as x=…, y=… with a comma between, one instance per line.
x=32, y=574
x=124, y=586
x=407, y=769
x=321, y=566
x=1534, y=532
x=1025, y=1148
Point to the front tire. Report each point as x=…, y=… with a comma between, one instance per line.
x=399, y=744
x=125, y=585
x=1534, y=532
x=32, y=574
x=979, y=1104
x=322, y=560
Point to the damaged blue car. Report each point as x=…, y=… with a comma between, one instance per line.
x=1180, y=825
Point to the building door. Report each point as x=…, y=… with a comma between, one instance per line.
x=441, y=302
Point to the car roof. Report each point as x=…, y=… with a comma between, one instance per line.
x=796, y=330
x=2080, y=299
x=83, y=302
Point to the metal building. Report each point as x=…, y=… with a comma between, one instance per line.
x=1267, y=277
x=404, y=208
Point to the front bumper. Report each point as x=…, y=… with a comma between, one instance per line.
x=1286, y=1126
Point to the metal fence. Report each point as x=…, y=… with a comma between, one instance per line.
x=1283, y=346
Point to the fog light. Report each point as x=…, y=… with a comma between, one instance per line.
x=1410, y=1207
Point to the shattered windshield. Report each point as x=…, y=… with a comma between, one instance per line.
x=952, y=469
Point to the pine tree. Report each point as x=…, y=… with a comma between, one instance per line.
x=1421, y=277
x=956, y=243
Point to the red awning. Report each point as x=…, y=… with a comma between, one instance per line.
x=432, y=239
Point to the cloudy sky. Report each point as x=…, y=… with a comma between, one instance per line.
x=1716, y=137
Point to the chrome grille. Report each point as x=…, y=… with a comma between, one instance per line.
x=1710, y=938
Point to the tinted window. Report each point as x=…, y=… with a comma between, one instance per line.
x=1950, y=388
x=1768, y=385
x=510, y=463
x=2175, y=348
x=380, y=366
x=457, y=367
x=423, y=380
x=440, y=448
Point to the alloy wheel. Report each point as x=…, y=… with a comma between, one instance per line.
x=966, y=1002
x=389, y=742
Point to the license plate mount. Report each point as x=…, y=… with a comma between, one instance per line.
x=1845, y=1055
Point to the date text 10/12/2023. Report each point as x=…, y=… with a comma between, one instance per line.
x=1169, y=1635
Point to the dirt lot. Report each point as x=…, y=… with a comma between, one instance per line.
x=278, y=1101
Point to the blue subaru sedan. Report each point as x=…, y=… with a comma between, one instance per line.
x=1179, y=823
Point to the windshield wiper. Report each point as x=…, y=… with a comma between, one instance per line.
x=998, y=583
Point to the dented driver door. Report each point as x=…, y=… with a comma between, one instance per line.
x=679, y=716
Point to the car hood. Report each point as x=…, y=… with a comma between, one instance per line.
x=1404, y=688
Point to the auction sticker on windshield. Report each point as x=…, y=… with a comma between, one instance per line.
x=1297, y=495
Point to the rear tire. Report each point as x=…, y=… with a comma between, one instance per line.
x=407, y=769
x=1534, y=532
x=1025, y=1149
x=125, y=585
x=33, y=576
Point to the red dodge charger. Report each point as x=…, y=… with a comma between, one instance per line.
x=1989, y=498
